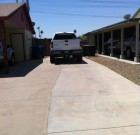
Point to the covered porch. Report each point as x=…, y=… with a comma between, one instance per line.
x=119, y=31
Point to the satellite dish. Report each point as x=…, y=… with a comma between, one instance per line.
x=127, y=16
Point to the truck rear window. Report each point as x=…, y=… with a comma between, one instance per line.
x=64, y=36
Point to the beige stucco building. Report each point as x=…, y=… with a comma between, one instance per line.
x=119, y=31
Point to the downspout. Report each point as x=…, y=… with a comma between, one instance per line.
x=122, y=46
x=98, y=44
x=111, y=54
x=103, y=43
x=136, y=59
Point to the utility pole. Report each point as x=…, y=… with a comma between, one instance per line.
x=28, y=4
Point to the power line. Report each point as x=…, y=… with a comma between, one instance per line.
x=80, y=5
x=90, y=5
x=82, y=15
x=69, y=9
x=89, y=1
x=110, y=2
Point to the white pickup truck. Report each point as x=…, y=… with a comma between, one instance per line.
x=65, y=45
x=10, y=54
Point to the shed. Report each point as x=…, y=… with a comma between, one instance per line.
x=16, y=29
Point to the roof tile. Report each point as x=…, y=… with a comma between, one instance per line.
x=7, y=8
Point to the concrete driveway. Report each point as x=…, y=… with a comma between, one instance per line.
x=90, y=99
x=86, y=99
x=25, y=97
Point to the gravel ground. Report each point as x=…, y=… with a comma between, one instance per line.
x=129, y=71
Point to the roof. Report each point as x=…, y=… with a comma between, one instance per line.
x=6, y=9
x=64, y=33
x=113, y=25
x=132, y=19
x=138, y=11
x=118, y=24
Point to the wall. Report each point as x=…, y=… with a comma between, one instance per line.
x=28, y=44
x=20, y=19
x=91, y=40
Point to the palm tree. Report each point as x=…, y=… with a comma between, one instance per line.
x=41, y=32
x=75, y=31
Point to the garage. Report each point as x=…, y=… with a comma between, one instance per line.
x=17, y=28
x=18, y=46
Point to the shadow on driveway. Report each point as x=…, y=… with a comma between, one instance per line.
x=62, y=61
x=21, y=69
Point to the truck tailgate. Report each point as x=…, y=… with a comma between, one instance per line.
x=71, y=44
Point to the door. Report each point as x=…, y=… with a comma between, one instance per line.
x=18, y=46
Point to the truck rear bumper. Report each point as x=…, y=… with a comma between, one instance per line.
x=62, y=53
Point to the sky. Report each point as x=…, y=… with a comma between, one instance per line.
x=83, y=15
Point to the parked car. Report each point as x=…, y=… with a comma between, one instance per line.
x=107, y=46
x=130, y=46
x=10, y=54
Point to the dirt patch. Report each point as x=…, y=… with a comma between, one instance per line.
x=129, y=71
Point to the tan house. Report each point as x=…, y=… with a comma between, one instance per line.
x=120, y=31
x=16, y=29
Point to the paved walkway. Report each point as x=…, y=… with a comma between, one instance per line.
x=90, y=99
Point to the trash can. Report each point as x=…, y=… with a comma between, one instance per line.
x=37, y=52
x=89, y=50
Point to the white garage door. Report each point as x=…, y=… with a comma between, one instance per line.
x=18, y=46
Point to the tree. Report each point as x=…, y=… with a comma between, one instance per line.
x=41, y=32
x=84, y=39
x=75, y=31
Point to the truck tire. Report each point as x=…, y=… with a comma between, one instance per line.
x=52, y=59
x=12, y=59
x=128, y=53
x=79, y=58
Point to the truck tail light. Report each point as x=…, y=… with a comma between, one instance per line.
x=51, y=45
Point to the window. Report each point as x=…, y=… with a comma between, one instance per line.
x=64, y=36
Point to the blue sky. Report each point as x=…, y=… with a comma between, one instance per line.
x=83, y=15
